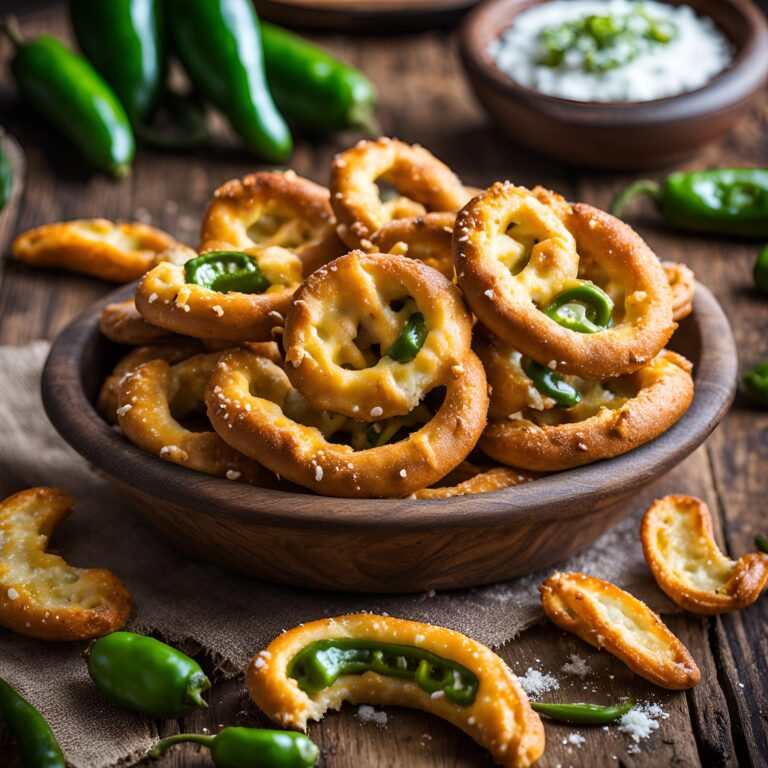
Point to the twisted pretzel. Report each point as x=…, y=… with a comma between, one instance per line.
x=469, y=479
x=121, y=322
x=518, y=253
x=254, y=408
x=342, y=331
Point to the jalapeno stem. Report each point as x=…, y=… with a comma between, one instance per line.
x=641, y=187
x=9, y=26
x=584, y=714
x=163, y=745
x=761, y=542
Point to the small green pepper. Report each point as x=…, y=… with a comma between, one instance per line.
x=756, y=383
x=35, y=740
x=321, y=663
x=551, y=384
x=6, y=176
x=760, y=271
x=145, y=675
x=584, y=309
x=584, y=714
x=411, y=339
x=250, y=748
x=727, y=201
x=761, y=542
x=225, y=271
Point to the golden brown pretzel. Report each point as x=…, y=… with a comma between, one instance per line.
x=469, y=479
x=254, y=408
x=516, y=251
x=119, y=252
x=613, y=417
x=359, y=302
x=41, y=595
x=687, y=564
x=411, y=169
x=683, y=284
x=121, y=322
x=500, y=718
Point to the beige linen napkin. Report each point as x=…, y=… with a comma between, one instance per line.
x=223, y=616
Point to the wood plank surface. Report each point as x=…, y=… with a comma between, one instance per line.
x=424, y=98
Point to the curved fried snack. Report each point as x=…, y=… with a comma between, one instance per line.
x=683, y=284
x=121, y=322
x=468, y=479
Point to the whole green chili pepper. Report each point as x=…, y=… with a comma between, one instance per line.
x=313, y=89
x=761, y=542
x=145, y=675
x=250, y=748
x=36, y=742
x=321, y=663
x=551, y=384
x=756, y=383
x=584, y=309
x=225, y=271
x=411, y=339
x=760, y=271
x=727, y=201
x=219, y=45
x=6, y=176
x=583, y=714
x=68, y=92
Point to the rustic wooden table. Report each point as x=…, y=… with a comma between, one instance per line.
x=424, y=98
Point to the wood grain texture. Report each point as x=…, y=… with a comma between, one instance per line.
x=424, y=97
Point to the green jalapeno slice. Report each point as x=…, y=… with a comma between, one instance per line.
x=760, y=272
x=321, y=663
x=583, y=714
x=756, y=383
x=584, y=309
x=225, y=271
x=761, y=542
x=551, y=384
x=411, y=339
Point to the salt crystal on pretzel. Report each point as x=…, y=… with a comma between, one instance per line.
x=687, y=564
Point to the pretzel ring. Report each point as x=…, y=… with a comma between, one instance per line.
x=469, y=479
x=151, y=400
x=41, y=596
x=273, y=209
x=167, y=298
x=411, y=169
x=613, y=417
x=254, y=408
x=121, y=322
x=361, y=302
x=119, y=252
x=683, y=284
x=687, y=563
x=363, y=658
x=518, y=265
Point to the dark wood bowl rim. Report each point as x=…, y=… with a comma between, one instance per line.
x=567, y=493
x=746, y=74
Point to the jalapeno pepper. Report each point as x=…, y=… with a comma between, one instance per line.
x=756, y=383
x=219, y=45
x=36, y=742
x=68, y=92
x=583, y=714
x=225, y=271
x=411, y=339
x=314, y=90
x=760, y=271
x=6, y=176
x=584, y=309
x=761, y=542
x=145, y=675
x=551, y=384
x=321, y=663
x=727, y=201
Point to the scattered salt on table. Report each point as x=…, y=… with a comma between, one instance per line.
x=367, y=714
x=535, y=683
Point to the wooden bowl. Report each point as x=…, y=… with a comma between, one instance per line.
x=379, y=545
x=616, y=135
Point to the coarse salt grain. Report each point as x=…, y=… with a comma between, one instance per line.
x=576, y=666
x=233, y=474
x=490, y=294
x=152, y=298
x=367, y=714
x=123, y=409
x=535, y=683
x=376, y=411
x=318, y=473
x=403, y=473
x=13, y=594
x=218, y=310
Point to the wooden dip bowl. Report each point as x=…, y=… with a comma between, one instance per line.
x=379, y=545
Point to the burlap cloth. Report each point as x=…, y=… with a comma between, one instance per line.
x=199, y=607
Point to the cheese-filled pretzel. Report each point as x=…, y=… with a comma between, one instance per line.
x=232, y=295
x=683, y=284
x=369, y=659
x=605, y=418
x=517, y=256
x=254, y=408
x=273, y=209
x=469, y=479
x=119, y=252
x=414, y=172
x=687, y=564
x=41, y=596
x=121, y=322
x=152, y=401
x=611, y=619
x=368, y=335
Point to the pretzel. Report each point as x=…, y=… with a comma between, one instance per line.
x=42, y=596
x=166, y=299
x=687, y=563
x=434, y=669
x=613, y=417
x=119, y=252
x=153, y=397
x=469, y=479
x=121, y=322
x=273, y=209
x=611, y=619
x=428, y=184
x=683, y=284
x=254, y=408
x=517, y=255
x=346, y=325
